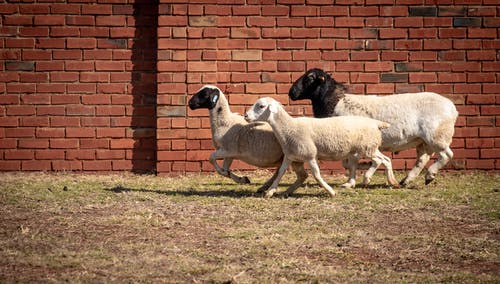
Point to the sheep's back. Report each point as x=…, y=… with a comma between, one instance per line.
x=413, y=116
x=336, y=137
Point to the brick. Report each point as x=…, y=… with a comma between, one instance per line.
x=319, y=22
x=63, y=143
x=481, y=55
x=65, y=8
x=260, y=21
x=378, y=66
x=50, y=20
x=111, y=21
x=80, y=132
x=80, y=154
x=245, y=32
x=437, y=44
x=19, y=43
x=425, y=11
x=19, y=154
x=36, y=165
x=394, y=77
x=275, y=10
x=67, y=165
x=386, y=88
x=482, y=33
x=349, y=22
x=364, y=11
x=20, y=65
x=452, y=11
x=96, y=9
x=423, y=56
x=10, y=165
x=202, y=66
x=422, y=77
x=405, y=67
x=480, y=164
x=96, y=165
x=260, y=88
x=262, y=44
x=408, y=22
x=17, y=20
x=467, y=22
x=427, y=33
x=393, y=33
x=49, y=154
x=490, y=110
x=247, y=55
x=202, y=21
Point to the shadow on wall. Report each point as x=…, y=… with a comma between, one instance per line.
x=144, y=86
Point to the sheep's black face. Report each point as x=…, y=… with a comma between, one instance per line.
x=307, y=85
x=204, y=98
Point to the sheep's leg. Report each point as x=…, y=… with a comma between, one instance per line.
x=444, y=157
x=351, y=165
x=268, y=183
x=300, y=172
x=226, y=165
x=313, y=164
x=284, y=165
x=376, y=162
x=378, y=159
x=423, y=157
x=213, y=160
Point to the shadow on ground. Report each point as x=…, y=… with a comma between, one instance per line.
x=315, y=191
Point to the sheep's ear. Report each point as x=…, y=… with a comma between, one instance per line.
x=273, y=108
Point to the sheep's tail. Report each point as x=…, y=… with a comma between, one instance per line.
x=383, y=125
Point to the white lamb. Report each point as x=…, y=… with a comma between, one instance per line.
x=234, y=138
x=306, y=139
x=425, y=121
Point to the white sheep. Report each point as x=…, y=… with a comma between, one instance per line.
x=306, y=139
x=234, y=138
x=423, y=120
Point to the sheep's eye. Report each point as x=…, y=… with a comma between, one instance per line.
x=309, y=80
x=262, y=106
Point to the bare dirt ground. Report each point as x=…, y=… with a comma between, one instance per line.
x=207, y=229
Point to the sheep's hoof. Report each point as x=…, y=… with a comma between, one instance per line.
x=263, y=188
x=429, y=177
x=404, y=182
x=428, y=180
x=270, y=193
x=395, y=185
x=244, y=180
x=347, y=185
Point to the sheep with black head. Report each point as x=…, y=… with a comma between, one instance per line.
x=236, y=139
x=424, y=120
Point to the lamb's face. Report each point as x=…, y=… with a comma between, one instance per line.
x=305, y=87
x=206, y=97
x=261, y=110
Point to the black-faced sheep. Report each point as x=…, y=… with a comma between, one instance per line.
x=234, y=138
x=424, y=121
x=306, y=139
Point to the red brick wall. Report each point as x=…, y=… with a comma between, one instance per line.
x=78, y=85
x=377, y=47
x=104, y=86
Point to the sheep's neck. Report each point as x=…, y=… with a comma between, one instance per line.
x=324, y=104
x=218, y=113
x=281, y=122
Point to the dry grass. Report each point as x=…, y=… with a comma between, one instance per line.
x=205, y=228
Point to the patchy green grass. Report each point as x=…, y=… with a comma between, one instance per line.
x=204, y=228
